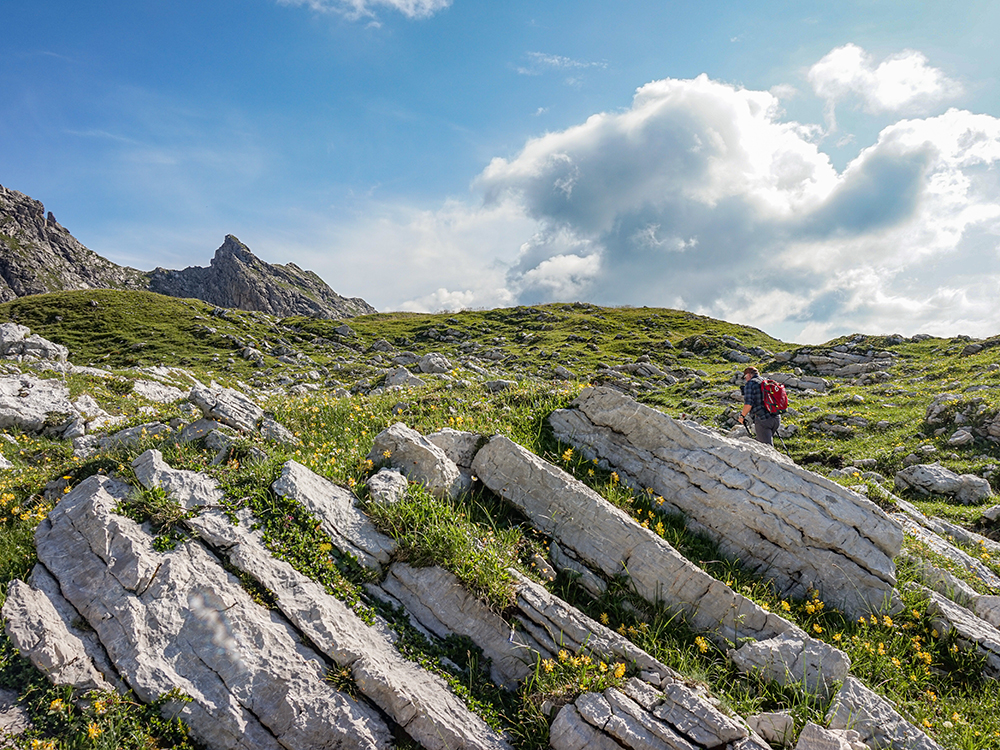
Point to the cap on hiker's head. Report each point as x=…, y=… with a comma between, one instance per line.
x=751, y=371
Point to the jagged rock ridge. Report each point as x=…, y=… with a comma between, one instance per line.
x=237, y=278
x=38, y=255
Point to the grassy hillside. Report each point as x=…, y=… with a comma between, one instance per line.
x=301, y=368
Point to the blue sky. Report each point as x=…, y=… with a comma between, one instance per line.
x=812, y=169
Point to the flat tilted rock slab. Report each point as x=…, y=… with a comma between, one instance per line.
x=419, y=701
x=336, y=509
x=608, y=540
x=179, y=620
x=639, y=717
x=795, y=527
x=541, y=626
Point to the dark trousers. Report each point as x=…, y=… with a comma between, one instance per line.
x=766, y=427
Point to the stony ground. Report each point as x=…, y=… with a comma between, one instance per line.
x=93, y=380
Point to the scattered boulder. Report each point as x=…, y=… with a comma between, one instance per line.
x=419, y=459
x=496, y=386
x=434, y=363
x=927, y=479
x=227, y=406
x=386, y=486
x=401, y=377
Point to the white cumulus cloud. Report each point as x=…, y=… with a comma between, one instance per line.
x=702, y=195
x=903, y=82
x=701, y=191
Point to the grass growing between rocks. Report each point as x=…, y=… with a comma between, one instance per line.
x=931, y=679
x=935, y=685
x=106, y=721
x=478, y=549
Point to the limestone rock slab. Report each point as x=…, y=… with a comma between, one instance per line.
x=178, y=620
x=799, y=529
x=971, y=631
x=42, y=636
x=27, y=402
x=417, y=700
x=875, y=719
x=192, y=489
x=788, y=658
x=569, y=511
x=966, y=489
x=152, y=390
x=336, y=509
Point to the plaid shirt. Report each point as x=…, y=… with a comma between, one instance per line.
x=752, y=395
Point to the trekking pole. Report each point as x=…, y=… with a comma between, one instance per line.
x=782, y=443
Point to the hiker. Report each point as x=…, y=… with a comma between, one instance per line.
x=765, y=424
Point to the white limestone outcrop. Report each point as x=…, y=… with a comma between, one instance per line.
x=800, y=530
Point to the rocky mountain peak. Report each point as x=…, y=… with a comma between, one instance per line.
x=238, y=278
x=232, y=249
x=38, y=255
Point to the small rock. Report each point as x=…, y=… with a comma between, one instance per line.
x=776, y=728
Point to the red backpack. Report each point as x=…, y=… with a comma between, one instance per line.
x=774, y=396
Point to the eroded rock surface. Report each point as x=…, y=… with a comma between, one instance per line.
x=417, y=700
x=422, y=461
x=178, y=620
x=227, y=406
x=800, y=530
x=336, y=508
x=570, y=512
x=33, y=404
x=926, y=479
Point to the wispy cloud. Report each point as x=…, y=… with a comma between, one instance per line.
x=541, y=62
x=361, y=9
